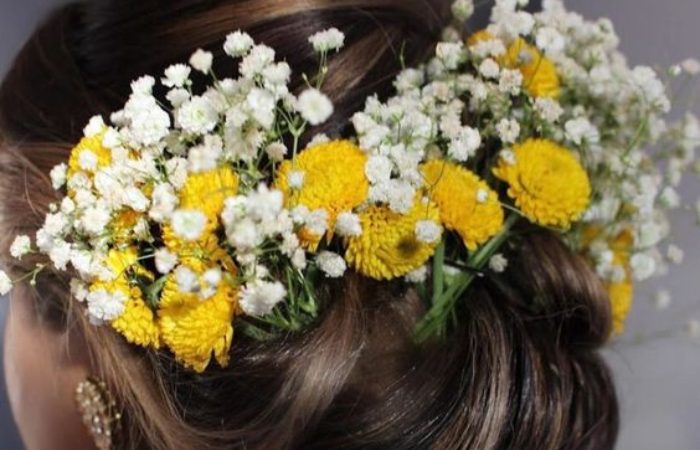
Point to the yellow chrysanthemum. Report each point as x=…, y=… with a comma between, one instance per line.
x=207, y=192
x=388, y=247
x=137, y=322
x=548, y=183
x=540, y=77
x=102, y=155
x=334, y=179
x=196, y=329
x=455, y=191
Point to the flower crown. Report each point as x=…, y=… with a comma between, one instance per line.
x=178, y=219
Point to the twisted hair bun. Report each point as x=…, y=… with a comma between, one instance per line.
x=521, y=370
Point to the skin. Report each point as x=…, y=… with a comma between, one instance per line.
x=42, y=369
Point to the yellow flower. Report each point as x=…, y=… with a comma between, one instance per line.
x=455, y=190
x=207, y=192
x=102, y=155
x=122, y=225
x=196, y=329
x=548, y=183
x=540, y=78
x=388, y=247
x=334, y=179
x=137, y=322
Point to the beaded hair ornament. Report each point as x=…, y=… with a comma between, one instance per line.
x=183, y=217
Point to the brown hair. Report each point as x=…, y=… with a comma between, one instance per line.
x=520, y=371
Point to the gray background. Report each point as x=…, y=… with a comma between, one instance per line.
x=658, y=375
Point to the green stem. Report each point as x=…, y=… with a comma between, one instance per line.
x=443, y=304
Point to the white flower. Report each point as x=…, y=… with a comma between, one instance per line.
x=643, y=266
x=147, y=122
x=106, y=306
x=378, y=169
x=176, y=170
x=211, y=279
x=348, y=224
x=244, y=235
x=465, y=144
x=5, y=283
x=332, y=264
x=87, y=160
x=259, y=298
x=60, y=254
x=317, y=222
x=691, y=66
x=550, y=40
x=498, y=263
x=186, y=279
x=188, y=224
x=510, y=81
x=58, y=176
x=482, y=195
x=165, y=260
x=135, y=199
x=299, y=259
x=508, y=130
x=238, y=43
x=256, y=61
x=164, y=202
x=463, y=9
x=662, y=299
x=549, y=109
x=295, y=179
x=675, y=254
x=327, y=40
x=581, y=131
x=197, y=116
x=201, y=60
x=314, y=106
x=79, y=290
x=94, y=126
x=143, y=85
x=400, y=196
x=176, y=76
x=276, y=151
x=418, y=276
x=670, y=198
x=205, y=157
x=428, y=231
x=262, y=106
x=451, y=54
x=20, y=246
x=95, y=219
x=489, y=68
x=177, y=97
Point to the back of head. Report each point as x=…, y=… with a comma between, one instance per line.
x=520, y=371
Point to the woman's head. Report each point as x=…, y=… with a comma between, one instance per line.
x=519, y=371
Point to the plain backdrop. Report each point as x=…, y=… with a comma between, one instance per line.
x=657, y=370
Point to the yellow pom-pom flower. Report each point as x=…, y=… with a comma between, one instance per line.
x=547, y=182
x=388, y=246
x=200, y=254
x=137, y=322
x=89, y=155
x=196, y=329
x=207, y=191
x=467, y=205
x=540, y=77
x=333, y=179
x=622, y=293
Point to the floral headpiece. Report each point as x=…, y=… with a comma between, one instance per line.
x=177, y=220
